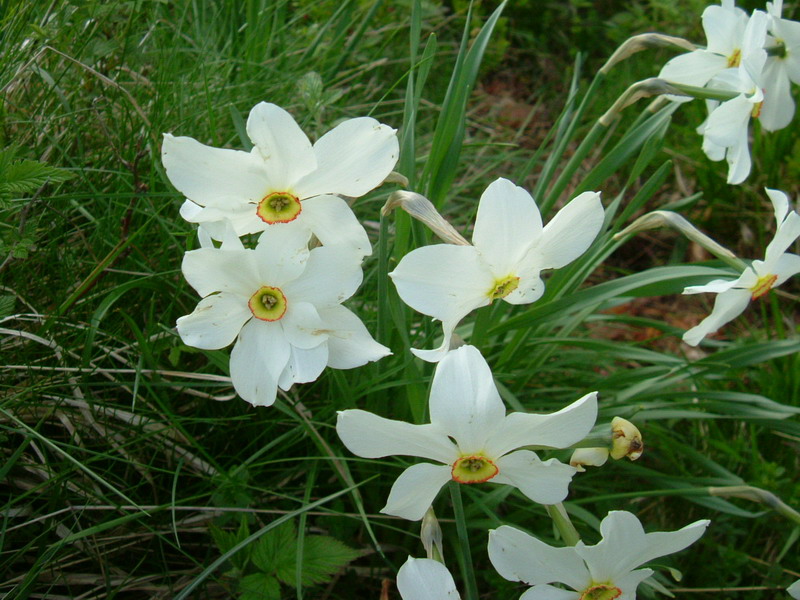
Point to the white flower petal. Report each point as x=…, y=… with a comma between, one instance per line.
x=794, y=590
x=724, y=29
x=506, y=225
x=788, y=265
x=695, y=68
x=282, y=255
x=738, y=157
x=557, y=430
x=257, y=360
x=241, y=216
x=303, y=326
x=215, y=322
x=628, y=583
x=210, y=270
x=415, y=490
x=548, y=592
x=209, y=175
x=543, y=482
x=425, y=579
x=785, y=236
x=370, y=436
x=661, y=543
x=617, y=553
x=777, y=110
x=305, y=364
x=518, y=556
x=331, y=276
x=717, y=286
x=780, y=203
x=570, y=233
x=281, y=145
x=349, y=343
x=727, y=307
x=444, y=281
x=437, y=354
x=332, y=221
x=725, y=123
x=464, y=401
x=352, y=158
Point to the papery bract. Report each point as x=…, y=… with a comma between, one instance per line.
x=281, y=303
x=757, y=279
x=283, y=179
x=603, y=571
x=472, y=436
x=510, y=250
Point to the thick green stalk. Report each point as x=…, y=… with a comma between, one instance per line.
x=563, y=523
x=467, y=570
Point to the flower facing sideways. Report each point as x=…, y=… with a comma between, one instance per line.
x=604, y=571
x=283, y=179
x=282, y=305
x=425, y=579
x=509, y=250
x=472, y=436
x=757, y=279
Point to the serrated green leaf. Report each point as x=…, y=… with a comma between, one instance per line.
x=323, y=557
x=26, y=176
x=225, y=540
x=6, y=305
x=275, y=552
x=259, y=586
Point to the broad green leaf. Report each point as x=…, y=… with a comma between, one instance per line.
x=259, y=586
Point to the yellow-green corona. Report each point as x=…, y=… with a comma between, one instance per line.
x=762, y=286
x=474, y=469
x=503, y=287
x=268, y=303
x=601, y=592
x=279, y=207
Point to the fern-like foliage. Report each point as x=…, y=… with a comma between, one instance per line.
x=23, y=176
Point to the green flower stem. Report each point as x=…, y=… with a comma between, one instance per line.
x=467, y=570
x=755, y=494
x=563, y=523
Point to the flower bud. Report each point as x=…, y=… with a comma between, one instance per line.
x=626, y=440
x=431, y=536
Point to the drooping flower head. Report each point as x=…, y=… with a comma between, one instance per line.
x=757, y=279
x=604, y=571
x=426, y=579
x=473, y=438
x=283, y=179
x=510, y=248
x=281, y=303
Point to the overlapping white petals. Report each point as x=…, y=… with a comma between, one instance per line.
x=351, y=159
x=610, y=564
x=291, y=345
x=510, y=248
x=468, y=422
x=757, y=279
x=425, y=579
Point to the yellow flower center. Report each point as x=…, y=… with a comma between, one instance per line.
x=735, y=59
x=279, y=207
x=268, y=303
x=503, y=287
x=762, y=286
x=474, y=469
x=601, y=591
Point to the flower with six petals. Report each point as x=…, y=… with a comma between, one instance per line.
x=281, y=303
x=510, y=248
x=473, y=438
x=757, y=279
x=604, y=571
x=283, y=179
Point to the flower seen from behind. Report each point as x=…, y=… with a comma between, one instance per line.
x=473, y=438
x=284, y=178
x=606, y=571
x=757, y=279
x=281, y=304
x=510, y=248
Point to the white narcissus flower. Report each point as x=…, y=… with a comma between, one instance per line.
x=724, y=27
x=604, y=571
x=726, y=131
x=281, y=303
x=283, y=179
x=757, y=279
x=510, y=249
x=425, y=579
x=472, y=436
